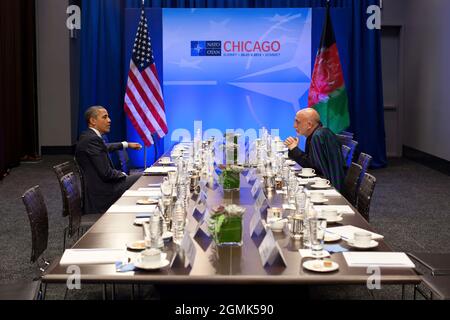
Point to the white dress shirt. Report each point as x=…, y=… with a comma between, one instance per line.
x=124, y=143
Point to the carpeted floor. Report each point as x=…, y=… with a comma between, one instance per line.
x=411, y=207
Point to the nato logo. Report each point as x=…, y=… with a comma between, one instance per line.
x=206, y=48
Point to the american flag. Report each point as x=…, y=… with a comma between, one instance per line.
x=144, y=103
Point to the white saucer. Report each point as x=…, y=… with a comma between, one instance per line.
x=373, y=244
x=320, y=255
x=307, y=176
x=319, y=201
x=146, y=202
x=163, y=263
x=276, y=230
x=320, y=187
x=291, y=162
x=136, y=245
x=303, y=183
x=317, y=266
x=331, y=237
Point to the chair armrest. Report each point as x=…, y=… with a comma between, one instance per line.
x=437, y=263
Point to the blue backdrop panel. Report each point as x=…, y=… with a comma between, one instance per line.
x=238, y=89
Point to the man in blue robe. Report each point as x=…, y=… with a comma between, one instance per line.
x=323, y=149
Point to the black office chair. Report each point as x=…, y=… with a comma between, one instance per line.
x=61, y=170
x=38, y=216
x=345, y=154
x=348, y=134
x=81, y=180
x=77, y=221
x=344, y=139
x=437, y=279
x=353, y=145
x=351, y=183
x=364, y=196
x=364, y=160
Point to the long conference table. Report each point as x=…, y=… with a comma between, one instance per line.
x=222, y=265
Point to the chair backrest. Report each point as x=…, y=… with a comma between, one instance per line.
x=38, y=216
x=365, y=193
x=72, y=194
x=346, y=133
x=61, y=170
x=345, y=154
x=81, y=179
x=351, y=183
x=343, y=139
x=364, y=160
x=352, y=144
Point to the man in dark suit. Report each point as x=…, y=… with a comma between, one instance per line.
x=322, y=151
x=103, y=184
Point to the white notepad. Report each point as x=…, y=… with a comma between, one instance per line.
x=340, y=209
x=347, y=232
x=131, y=209
x=378, y=259
x=92, y=256
x=143, y=193
x=326, y=192
x=160, y=169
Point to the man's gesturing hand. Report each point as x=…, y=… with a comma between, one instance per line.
x=291, y=143
x=134, y=145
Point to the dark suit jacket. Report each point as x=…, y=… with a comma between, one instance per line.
x=322, y=153
x=103, y=184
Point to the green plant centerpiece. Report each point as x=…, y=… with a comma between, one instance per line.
x=225, y=225
x=230, y=178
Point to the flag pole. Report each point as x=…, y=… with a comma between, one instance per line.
x=156, y=149
x=145, y=147
x=145, y=157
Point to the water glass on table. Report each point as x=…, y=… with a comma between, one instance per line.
x=317, y=227
x=292, y=189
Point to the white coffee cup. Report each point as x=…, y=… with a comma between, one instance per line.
x=277, y=225
x=330, y=214
x=165, y=160
x=323, y=183
x=362, y=238
x=151, y=256
x=317, y=196
x=308, y=171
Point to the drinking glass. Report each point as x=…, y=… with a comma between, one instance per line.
x=317, y=227
x=173, y=175
x=292, y=189
x=179, y=223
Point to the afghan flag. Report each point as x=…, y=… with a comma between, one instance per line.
x=327, y=93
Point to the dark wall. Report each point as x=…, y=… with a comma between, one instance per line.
x=18, y=105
